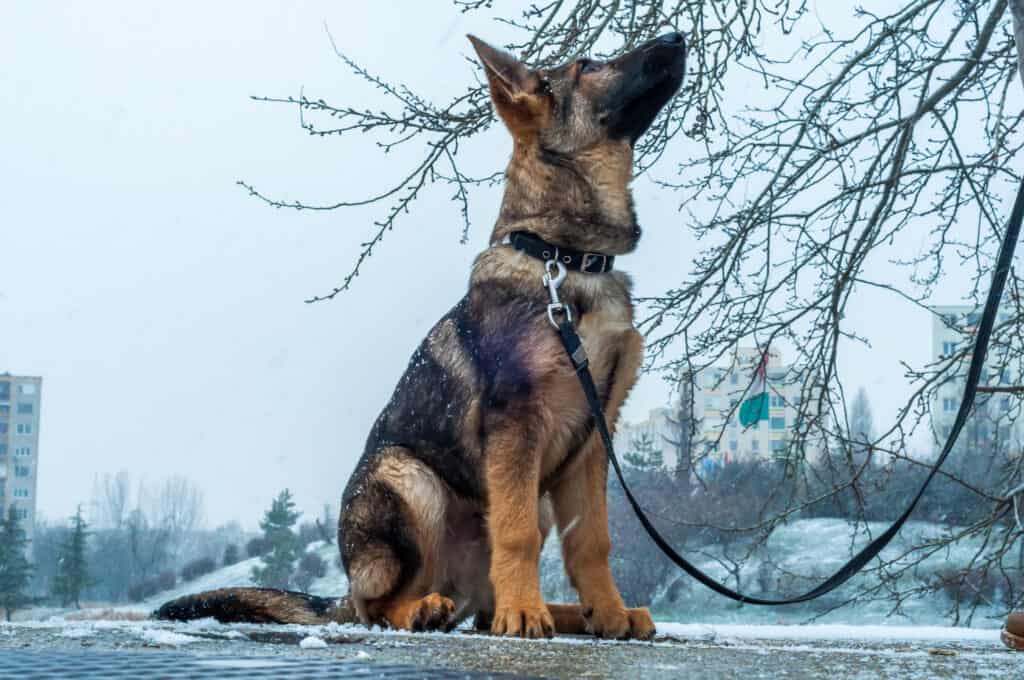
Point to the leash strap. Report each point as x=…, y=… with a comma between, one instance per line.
x=574, y=348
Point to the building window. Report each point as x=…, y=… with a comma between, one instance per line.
x=755, y=445
x=778, y=401
x=20, y=492
x=23, y=428
x=21, y=513
x=5, y=409
x=948, y=405
x=24, y=408
x=23, y=451
x=734, y=378
x=3, y=449
x=948, y=348
x=1004, y=404
x=3, y=428
x=27, y=388
x=778, y=445
x=778, y=423
x=21, y=471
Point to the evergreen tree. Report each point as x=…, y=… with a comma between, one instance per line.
x=278, y=563
x=643, y=455
x=72, y=568
x=230, y=555
x=15, y=570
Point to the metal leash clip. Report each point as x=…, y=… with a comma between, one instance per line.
x=552, y=283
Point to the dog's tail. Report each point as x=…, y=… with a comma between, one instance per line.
x=259, y=605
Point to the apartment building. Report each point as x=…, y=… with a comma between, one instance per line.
x=719, y=437
x=997, y=420
x=19, y=445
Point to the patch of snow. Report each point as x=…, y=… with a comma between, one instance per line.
x=312, y=642
x=160, y=636
x=77, y=632
x=362, y=656
x=827, y=632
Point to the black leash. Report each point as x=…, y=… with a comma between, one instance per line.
x=574, y=348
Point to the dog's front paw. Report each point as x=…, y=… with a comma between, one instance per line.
x=619, y=623
x=531, y=620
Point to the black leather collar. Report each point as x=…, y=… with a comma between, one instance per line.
x=571, y=259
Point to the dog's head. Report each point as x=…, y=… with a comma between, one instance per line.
x=574, y=128
x=582, y=103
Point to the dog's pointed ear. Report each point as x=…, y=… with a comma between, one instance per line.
x=514, y=88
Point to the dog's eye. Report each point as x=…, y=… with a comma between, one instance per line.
x=589, y=65
x=544, y=86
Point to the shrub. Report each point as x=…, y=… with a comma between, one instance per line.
x=151, y=586
x=197, y=568
x=257, y=547
x=311, y=567
x=166, y=580
x=308, y=532
x=138, y=591
x=967, y=585
x=231, y=555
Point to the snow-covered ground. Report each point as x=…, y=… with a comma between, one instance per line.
x=681, y=650
x=827, y=633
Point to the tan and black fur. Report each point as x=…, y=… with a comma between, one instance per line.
x=488, y=441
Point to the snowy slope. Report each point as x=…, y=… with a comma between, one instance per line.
x=240, y=575
x=813, y=548
x=802, y=554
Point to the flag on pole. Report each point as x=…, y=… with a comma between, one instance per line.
x=755, y=406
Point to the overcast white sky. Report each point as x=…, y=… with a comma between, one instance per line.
x=163, y=307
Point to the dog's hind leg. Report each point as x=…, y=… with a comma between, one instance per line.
x=391, y=528
x=581, y=512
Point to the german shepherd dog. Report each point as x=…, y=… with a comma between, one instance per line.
x=488, y=439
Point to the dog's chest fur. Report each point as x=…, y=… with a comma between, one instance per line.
x=554, y=405
x=494, y=363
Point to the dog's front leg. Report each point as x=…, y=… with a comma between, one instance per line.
x=581, y=513
x=513, y=471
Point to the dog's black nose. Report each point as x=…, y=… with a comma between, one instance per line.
x=673, y=38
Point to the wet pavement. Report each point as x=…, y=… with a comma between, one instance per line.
x=689, y=652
